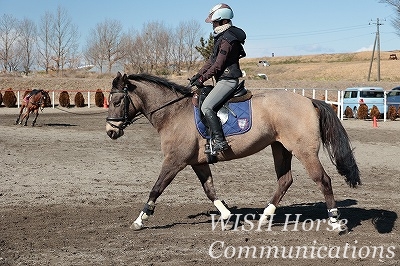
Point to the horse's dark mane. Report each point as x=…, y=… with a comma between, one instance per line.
x=162, y=82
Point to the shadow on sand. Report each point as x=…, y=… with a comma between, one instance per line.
x=383, y=220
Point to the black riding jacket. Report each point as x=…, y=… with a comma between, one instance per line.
x=224, y=61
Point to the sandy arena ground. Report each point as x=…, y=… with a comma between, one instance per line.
x=68, y=195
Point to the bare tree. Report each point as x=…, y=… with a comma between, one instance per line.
x=27, y=43
x=396, y=6
x=161, y=49
x=134, y=53
x=8, y=42
x=64, y=38
x=155, y=43
x=191, y=38
x=106, y=44
x=44, y=33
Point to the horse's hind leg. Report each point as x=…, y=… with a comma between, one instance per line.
x=203, y=172
x=317, y=173
x=36, y=116
x=283, y=169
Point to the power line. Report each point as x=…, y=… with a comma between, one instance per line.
x=307, y=33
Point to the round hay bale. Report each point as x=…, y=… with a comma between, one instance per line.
x=334, y=107
x=348, y=112
x=79, y=100
x=99, y=98
x=392, y=113
x=64, y=99
x=375, y=112
x=362, y=112
x=9, y=98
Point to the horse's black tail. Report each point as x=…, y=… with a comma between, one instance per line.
x=336, y=141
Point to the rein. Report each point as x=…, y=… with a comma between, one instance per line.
x=127, y=101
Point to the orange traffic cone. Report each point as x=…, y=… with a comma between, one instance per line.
x=105, y=104
x=374, y=122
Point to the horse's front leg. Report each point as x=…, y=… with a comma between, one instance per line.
x=203, y=172
x=168, y=172
x=19, y=116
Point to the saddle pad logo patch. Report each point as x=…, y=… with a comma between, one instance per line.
x=242, y=123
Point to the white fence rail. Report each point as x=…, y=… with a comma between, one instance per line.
x=330, y=96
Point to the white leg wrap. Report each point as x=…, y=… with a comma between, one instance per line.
x=270, y=210
x=138, y=223
x=225, y=213
x=333, y=215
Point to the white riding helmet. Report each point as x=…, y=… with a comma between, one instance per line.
x=219, y=12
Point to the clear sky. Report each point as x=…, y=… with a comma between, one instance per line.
x=282, y=27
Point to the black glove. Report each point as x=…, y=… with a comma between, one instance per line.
x=198, y=83
x=194, y=79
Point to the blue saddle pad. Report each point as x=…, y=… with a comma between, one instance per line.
x=236, y=119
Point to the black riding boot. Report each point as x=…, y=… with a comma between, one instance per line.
x=217, y=136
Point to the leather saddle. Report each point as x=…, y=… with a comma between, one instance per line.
x=239, y=94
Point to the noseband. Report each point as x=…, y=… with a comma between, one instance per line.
x=124, y=119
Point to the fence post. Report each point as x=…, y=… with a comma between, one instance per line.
x=384, y=106
x=18, y=99
x=341, y=105
x=340, y=111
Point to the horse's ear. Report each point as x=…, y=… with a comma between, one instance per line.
x=119, y=75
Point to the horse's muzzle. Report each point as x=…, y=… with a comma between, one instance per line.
x=114, y=132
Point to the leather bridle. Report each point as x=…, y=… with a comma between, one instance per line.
x=127, y=101
x=124, y=119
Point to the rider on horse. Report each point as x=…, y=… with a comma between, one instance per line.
x=223, y=65
x=29, y=95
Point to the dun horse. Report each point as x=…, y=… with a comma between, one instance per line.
x=292, y=124
x=35, y=100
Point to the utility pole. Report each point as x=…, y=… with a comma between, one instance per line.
x=377, y=44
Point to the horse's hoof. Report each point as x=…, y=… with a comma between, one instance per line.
x=341, y=228
x=228, y=225
x=136, y=226
x=264, y=220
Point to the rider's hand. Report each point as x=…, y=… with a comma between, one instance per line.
x=194, y=79
x=198, y=83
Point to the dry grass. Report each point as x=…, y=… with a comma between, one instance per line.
x=327, y=71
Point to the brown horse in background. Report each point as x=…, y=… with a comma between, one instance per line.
x=35, y=100
x=292, y=124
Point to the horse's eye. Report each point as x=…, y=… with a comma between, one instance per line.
x=117, y=104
